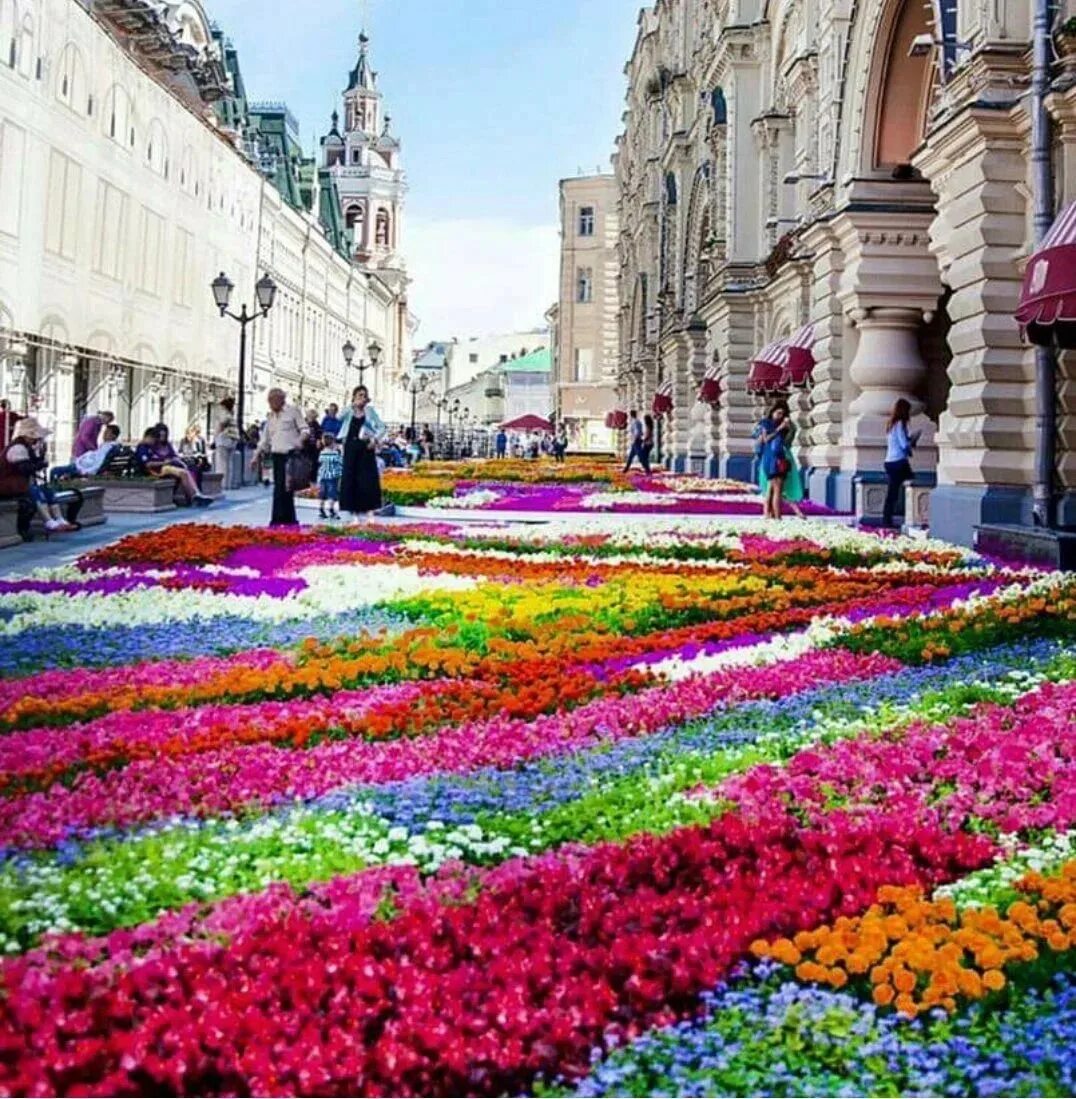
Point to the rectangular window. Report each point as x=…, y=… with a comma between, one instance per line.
x=183, y=259
x=11, y=145
x=473, y=357
x=61, y=207
x=586, y=221
x=584, y=285
x=584, y=364
x=111, y=228
x=152, y=242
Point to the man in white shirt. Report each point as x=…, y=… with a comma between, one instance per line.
x=285, y=431
x=92, y=462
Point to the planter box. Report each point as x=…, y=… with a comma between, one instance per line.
x=917, y=505
x=137, y=496
x=213, y=484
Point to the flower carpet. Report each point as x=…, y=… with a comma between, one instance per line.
x=659, y=807
x=544, y=486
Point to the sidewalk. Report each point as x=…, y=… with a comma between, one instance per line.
x=249, y=506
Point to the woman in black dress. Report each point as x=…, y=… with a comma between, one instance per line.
x=361, y=429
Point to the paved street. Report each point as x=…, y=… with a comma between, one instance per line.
x=247, y=505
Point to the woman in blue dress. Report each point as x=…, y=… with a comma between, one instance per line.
x=779, y=476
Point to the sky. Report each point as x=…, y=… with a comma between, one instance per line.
x=494, y=101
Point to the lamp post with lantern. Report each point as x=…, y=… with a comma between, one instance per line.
x=414, y=385
x=265, y=294
x=373, y=349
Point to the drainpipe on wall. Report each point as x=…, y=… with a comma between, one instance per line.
x=1043, y=213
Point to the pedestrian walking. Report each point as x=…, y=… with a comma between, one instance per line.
x=635, y=440
x=362, y=429
x=285, y=431
x=899, y=446
x=225, y=441
x=646, y=446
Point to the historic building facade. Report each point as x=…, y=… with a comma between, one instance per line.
x=584, y=321
x=132, y=172
x=857, y=173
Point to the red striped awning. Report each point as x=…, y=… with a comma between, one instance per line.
x=800, y=361
x=710, y=389
x=663, y=401
x=1047, y=309
x=767, y=368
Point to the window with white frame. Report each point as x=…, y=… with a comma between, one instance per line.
x=61, y=207
x=586, y=221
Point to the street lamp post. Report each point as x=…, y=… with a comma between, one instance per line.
x=265, y=294
x=373, y=349
x=414, y=385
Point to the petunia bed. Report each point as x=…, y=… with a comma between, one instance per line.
x=666, y=805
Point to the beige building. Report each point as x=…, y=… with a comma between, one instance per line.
x=584, y=320
x=132, y=172
x=859, y=174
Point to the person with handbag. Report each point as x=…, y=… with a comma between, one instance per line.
x=362, y=430
x=777, y=431
x=899, y=446
x=281, y=443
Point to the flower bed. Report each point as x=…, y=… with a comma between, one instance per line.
x=595, y=809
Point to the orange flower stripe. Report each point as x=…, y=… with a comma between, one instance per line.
x=431, y=652
x=916, y=954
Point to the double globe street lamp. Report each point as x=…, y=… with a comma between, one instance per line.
x=265, y=295
x=373, y=349
x=414, y=385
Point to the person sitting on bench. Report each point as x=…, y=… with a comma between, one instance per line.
x=92, y=462
x=21, y=465
x=155, y=457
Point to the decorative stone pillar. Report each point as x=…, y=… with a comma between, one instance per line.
x=977, y=163
x=890, y=285
x=1062, y=106
x=63, y=397
x=730, y=316
x=827, y=314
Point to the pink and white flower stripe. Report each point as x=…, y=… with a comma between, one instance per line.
x=252, y=776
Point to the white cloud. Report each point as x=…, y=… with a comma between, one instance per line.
x=478, y=277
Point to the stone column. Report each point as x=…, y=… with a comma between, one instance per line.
x=733, y=332
x=1062, y=106
x=889, y=286
x=64, y=404
x=826, y=312
x=977, y=164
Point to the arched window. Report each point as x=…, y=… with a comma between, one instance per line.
x=383, y=229
x=584, y=284
x=118, y=117
x=719, y=107
x=71, y=78
x=157, y=148
x=26, y=46
x=356, y=219
x=9, y=33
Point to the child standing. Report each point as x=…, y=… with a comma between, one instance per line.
x=330, y=469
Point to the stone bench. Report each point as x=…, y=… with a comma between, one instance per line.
x=91, y=514
x=137, y=495
x=213, y=484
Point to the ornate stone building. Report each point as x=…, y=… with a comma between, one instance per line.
x=132, y=171
x=584, y=320
x=854, y=174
